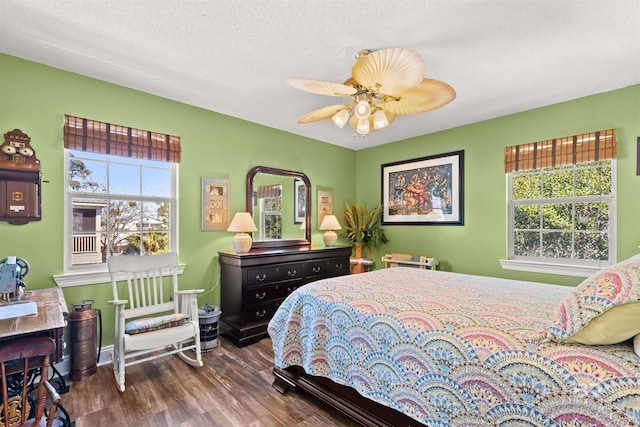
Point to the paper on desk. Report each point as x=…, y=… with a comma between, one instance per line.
x=18, y=309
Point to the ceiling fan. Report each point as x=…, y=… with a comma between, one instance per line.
x=383, y=84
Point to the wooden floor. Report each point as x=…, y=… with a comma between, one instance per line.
x=232, y=389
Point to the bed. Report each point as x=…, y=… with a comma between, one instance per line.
x=406, y=346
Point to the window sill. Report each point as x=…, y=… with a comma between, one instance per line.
x=550, y=267
x=91, y=277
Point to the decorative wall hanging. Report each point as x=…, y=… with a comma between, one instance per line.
x=300, y=197
x=325, y=204
x=428, y=190
x=215, y=204
x=20, y=180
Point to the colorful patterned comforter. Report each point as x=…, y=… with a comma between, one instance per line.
x=455, y=350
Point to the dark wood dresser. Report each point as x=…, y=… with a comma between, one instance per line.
x=253, y=285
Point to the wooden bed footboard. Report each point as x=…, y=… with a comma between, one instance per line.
x=342, y=398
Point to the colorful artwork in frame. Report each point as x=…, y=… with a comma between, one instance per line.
x=325, y=204
x=215, y=204
x=300, y=198
x=425, y=191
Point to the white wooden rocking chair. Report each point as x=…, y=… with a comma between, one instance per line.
x=154, y=319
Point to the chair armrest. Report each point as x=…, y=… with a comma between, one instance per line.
x=190, y=291
x=118, y=302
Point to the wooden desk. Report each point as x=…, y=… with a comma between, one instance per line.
x=49, y=321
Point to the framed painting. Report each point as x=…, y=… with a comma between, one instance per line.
x=325, y=204
x=299, y=201
x=215, y=204
x=424, y=191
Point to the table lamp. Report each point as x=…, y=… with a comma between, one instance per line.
x=242, y=224
x=330, y=223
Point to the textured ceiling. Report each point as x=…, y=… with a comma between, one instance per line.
x=233, y=57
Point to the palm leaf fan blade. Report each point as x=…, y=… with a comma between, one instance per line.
x=322, y=87
x=428, y=95
x=389, y=71
x=320, y=114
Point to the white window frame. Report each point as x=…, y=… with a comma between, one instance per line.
x=579, y=268
x=94, y=273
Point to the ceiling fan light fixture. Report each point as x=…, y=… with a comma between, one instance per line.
x=383, y=84
x=363, y=127
x=379, y=119
x=363, y=109
x=341, y=117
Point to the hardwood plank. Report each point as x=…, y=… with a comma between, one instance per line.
x=233, y=388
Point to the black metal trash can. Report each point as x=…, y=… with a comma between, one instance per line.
x=208, y=317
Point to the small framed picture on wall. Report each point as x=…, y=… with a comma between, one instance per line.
x=215, y=204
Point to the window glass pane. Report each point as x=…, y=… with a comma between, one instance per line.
x=123, y=219
x=86, y=243
x=594, y=181
x=273, y=204
x=155, y=243
x=87, y=175
x=124, y=179
x=124, y=160
x=558, y=183
x=155, y=164
x=592, y=246
x=526, y=186
x=127, y=244
x=526, y=243
x=156, y=182
x=592, y=216
x=527, y=217
x=86, y=155
x=155, y=216
x=557, y=216
x=273, y=226
x=557, y=245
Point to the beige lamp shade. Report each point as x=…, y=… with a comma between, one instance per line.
x=330, y=223
x=242, y=224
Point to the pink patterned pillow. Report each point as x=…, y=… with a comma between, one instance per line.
x=604, y=309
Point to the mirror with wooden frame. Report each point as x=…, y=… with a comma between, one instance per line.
x=280, y=203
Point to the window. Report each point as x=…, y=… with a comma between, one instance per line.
x=117, y=204
x=563, y=213
x=271, y=214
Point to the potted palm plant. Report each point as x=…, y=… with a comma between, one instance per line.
x=363, y=230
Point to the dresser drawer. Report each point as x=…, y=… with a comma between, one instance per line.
x=280, y=290
x=262, y=312
x=264, y=275
x=328, y=267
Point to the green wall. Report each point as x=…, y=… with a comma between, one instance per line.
x=477, y=246
x=34, y=98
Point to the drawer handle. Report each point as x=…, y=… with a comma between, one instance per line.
x=339, y=265
x=291, y=289
x=261, y=314
x=258, y=296
x=316, y=269
x=292, y=273
x=261, y=279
